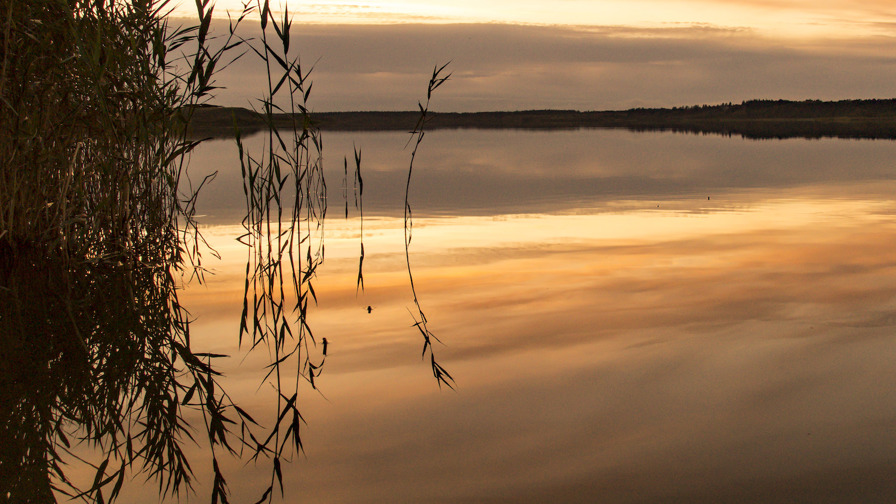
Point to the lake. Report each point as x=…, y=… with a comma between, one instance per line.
x=629, y=317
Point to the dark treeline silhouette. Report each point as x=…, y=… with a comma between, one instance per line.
x=757, y=119
x=778, y=109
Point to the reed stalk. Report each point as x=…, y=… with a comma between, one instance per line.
x=420, y=322
x=96, y=238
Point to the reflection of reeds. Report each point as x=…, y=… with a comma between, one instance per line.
x=359, y=204
x=442, y=376
x=358, y=193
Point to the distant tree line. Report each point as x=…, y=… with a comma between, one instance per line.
x=779, y=109
x=874, y=119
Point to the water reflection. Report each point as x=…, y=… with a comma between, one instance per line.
x=616, y=335
x=496, y=172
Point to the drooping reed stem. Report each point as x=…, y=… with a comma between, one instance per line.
x=441, y=375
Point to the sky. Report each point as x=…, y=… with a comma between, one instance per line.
x=789, y=18
x=576, y=54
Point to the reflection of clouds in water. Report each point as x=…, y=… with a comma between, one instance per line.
x=596, y=272
x=491, y=172
x=655, y=379
x=711, y=350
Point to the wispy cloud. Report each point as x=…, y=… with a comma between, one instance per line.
x=796, y=18
x=384, y=67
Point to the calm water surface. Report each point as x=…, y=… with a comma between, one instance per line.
x=629, y=318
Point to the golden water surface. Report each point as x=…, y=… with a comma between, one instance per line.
x=629, y=317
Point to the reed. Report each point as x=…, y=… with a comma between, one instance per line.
x=420, y=322
x=97, y=236
x=286, y=206
x=94, y=240
x=284, y=231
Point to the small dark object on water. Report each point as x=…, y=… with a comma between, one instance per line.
x=325, y=346
x=369, y=309
x=707, y=198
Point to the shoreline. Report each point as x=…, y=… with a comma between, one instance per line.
x=757, y=119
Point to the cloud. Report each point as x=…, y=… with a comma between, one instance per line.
x=498, y=66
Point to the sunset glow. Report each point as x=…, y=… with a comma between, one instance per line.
x=771, y=18
x=605, y=55
x=448, y=251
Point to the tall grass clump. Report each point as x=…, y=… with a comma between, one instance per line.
x=97, y=365
x=97, y=238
